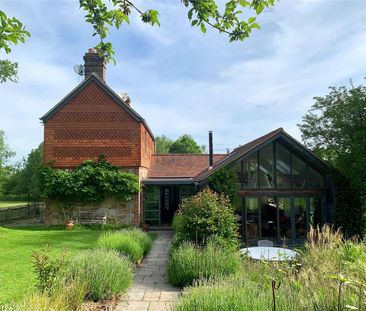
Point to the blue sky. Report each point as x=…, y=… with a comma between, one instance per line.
x=183, y=81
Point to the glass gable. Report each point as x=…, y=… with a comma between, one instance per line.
x=276, y=166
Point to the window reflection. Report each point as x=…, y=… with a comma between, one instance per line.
x=252, y=221
x=284, y=206
x=298, y=173
x=250, y=172
x=283, y=167
x=266, y=167
x=268, y=217
x=300, y=217
x=315, y=211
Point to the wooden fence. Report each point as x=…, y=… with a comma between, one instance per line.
x=8, y=215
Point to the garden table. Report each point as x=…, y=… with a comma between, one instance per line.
x=269, y=253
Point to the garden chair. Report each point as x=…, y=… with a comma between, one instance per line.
x=265, y=243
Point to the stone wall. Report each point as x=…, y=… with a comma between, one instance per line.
x=117, y=212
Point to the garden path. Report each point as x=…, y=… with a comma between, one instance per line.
x=151, y=290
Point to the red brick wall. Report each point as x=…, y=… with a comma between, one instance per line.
x=92, y=124
x=147, y=147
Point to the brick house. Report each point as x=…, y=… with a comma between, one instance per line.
x=284, y=187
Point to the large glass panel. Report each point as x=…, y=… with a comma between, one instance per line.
x=152, y=205
x=315, y=211
x=252, y=221
x=268, y=208
x=250, y=172
x=239, y=173
x=300, y=218
x=314, y=179
x=283, y=167
x=185, y=192
x=284, y=206
x=298, y=173
x=266, y=167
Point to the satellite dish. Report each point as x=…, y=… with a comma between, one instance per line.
x=79, y=69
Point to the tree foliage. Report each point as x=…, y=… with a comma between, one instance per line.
x=24, y=182
x=8, y=71
x=237, y=19
x=5, y=155
x=183, y=144
x=186, y=144
x=162, y=144
x=224, y=181
x=230, y=19
x=12, y=31
x=335, y=128
x=89, y=182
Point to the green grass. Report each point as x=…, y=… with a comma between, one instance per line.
x=16, y=272
x=6, y=204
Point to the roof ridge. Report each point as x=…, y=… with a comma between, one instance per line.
x=186, y=154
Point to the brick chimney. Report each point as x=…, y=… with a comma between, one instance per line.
x=94, y=64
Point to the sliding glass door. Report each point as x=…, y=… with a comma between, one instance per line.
x=280, y=218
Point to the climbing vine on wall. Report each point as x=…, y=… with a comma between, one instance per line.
x=89, y=182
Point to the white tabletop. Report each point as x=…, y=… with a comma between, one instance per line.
x=269, y=253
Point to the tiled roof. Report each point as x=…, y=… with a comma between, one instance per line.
x=180, y=165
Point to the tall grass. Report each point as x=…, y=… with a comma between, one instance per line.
x=326, y=264
x=132, y=243
x=66, y=296
x=188, y=263
x=105, y=273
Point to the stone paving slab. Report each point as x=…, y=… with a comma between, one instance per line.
x=151, y=290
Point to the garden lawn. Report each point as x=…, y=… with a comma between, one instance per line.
x=16, y=245
x=6, y=204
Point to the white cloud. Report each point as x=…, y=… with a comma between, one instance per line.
x=182, y=81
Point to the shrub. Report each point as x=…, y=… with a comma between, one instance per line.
x=141, y=237
x=47, y=269
x=204, y=215
x=105, y=273
x=188, y=263
x=132, y=243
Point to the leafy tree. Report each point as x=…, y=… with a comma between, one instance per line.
x=5, y=155
x=89, y=182
x=335, y=128
x=8, y=71
x=185, y=144
x=162, y=144
x=25, y=180
x=12, y=31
